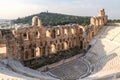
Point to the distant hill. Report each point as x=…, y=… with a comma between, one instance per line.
x=54, y=19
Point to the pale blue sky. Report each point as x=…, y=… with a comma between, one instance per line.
x=12, y=9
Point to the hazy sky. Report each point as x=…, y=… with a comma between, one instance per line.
x=12, y=9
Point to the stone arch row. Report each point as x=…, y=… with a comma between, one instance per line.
x=56, y=32
x=52, y=48
x=26, y=35
x=37, y=52
x=97, y=21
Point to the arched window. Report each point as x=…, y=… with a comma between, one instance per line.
x=92, y=21
x=65, y=31
x=73, y=31
x=25, y=36
x=58, y=32
x=37, y=34
x=48, y=34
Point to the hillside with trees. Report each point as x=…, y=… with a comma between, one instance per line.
x=114, y=21
x=54, y=19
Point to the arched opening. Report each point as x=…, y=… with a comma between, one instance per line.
x=48, y=34
x=25, y=36
x=92, y=21
x=65, y=45
x=38, y=52
x=53, y=33
x=36, y=21
x=58, y=32
x=73, y=31
x=53, y=48
x=65, y=31
x=37, y=34
x=3, y=50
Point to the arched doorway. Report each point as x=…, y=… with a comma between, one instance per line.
x=38, y=52
x=53, y=48
x=92, y=20
x=48, y=34
x=65, y=45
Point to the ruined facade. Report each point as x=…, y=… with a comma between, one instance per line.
x=35, y=41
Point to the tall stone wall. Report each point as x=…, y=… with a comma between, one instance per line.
x=33, y=42
x=37, y=41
